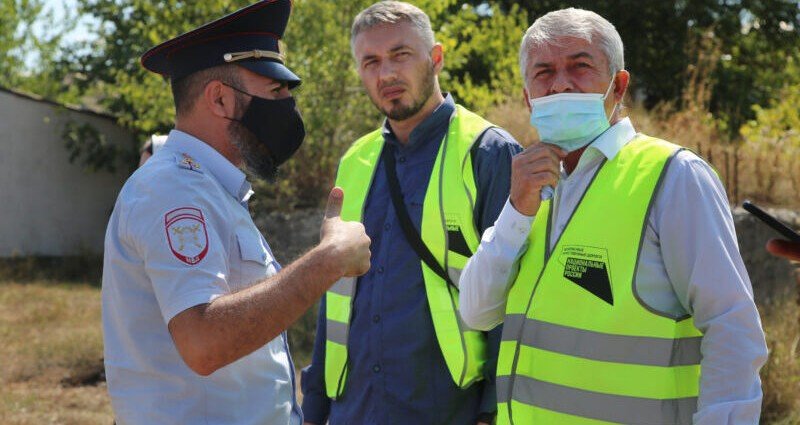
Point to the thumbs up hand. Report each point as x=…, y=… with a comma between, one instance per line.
x=347, y=240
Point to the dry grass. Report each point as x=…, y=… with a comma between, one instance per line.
x=50, y=333
x=781, y=375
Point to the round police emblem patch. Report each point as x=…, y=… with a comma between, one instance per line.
x=186, y=234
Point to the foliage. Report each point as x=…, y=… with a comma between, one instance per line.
x=29, y=57
x=778, y=125
x=481, y=67
x=728, y=55
x=335, y=108
x=755, y=37
x=90, y=147
x=16, y=17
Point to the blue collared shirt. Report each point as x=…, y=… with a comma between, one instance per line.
x=180, y=236
x=398, y=373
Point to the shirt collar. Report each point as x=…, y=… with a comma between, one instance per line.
x=421, y=133
x=614, y=139
x=228, y=175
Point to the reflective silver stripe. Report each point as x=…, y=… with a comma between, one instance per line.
x=336, y=331
x=512, y=325
x=589, y=404
x=640, y=350
x=503, y=388
x=455, y=275
x=345, y=286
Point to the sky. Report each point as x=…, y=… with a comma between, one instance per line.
x=60, y=8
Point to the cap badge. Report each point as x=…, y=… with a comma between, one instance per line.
x=253, y=54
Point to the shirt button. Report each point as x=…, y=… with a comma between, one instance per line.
x=387, y=226
x=402, y=159
x=376, y=318
x=380, y=269
x=376, y=368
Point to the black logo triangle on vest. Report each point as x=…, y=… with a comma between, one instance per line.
x=591, y=276
x=457, y=243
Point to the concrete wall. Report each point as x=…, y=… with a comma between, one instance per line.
x=47, y=205
x=290, y=235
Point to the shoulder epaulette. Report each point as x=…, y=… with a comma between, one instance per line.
x=187, y=162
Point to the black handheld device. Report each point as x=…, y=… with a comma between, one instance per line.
x=771, y=221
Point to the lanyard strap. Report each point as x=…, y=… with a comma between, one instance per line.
x=411, y=234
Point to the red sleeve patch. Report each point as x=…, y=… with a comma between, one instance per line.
x=186, y=234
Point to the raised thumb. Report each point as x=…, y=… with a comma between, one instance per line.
x=335, y=200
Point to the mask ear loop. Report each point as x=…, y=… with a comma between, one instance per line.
x=608, y=91
x=610, y=85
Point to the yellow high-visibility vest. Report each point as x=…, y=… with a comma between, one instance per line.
x=448, y=207
x=579, y=346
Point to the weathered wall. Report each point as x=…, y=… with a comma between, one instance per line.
x=47, y=205
x=290, y=235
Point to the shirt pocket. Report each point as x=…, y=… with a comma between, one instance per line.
x=253, y=261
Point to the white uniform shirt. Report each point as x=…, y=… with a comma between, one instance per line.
x=181, y=235
x=689, y=264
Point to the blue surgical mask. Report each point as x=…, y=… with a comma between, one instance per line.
x=570, y=120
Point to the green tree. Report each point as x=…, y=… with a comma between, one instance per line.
x=16, y=17
x=777, y=126
x=481, y=51
x=28, y=55
x=335, y=108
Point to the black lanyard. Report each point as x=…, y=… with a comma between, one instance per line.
x=412, y=236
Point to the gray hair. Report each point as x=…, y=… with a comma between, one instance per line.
x=392, y=12
x=577, y=23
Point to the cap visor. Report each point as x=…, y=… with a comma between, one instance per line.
x=273, y=70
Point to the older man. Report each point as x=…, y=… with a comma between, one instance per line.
x=623, y=294
x=194, y=304
x=390, y=346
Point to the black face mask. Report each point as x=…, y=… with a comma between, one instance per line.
x=276, y=123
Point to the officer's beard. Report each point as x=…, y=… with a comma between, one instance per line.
x=256, y=156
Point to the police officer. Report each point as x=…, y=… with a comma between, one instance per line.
x=194, y=304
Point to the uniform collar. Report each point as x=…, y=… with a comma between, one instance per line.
x=422, y=132
x=228, y=175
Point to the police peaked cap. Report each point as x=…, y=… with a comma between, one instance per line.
x=248, y=38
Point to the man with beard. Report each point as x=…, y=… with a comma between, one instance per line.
x=194, y=304
x=390, y=347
